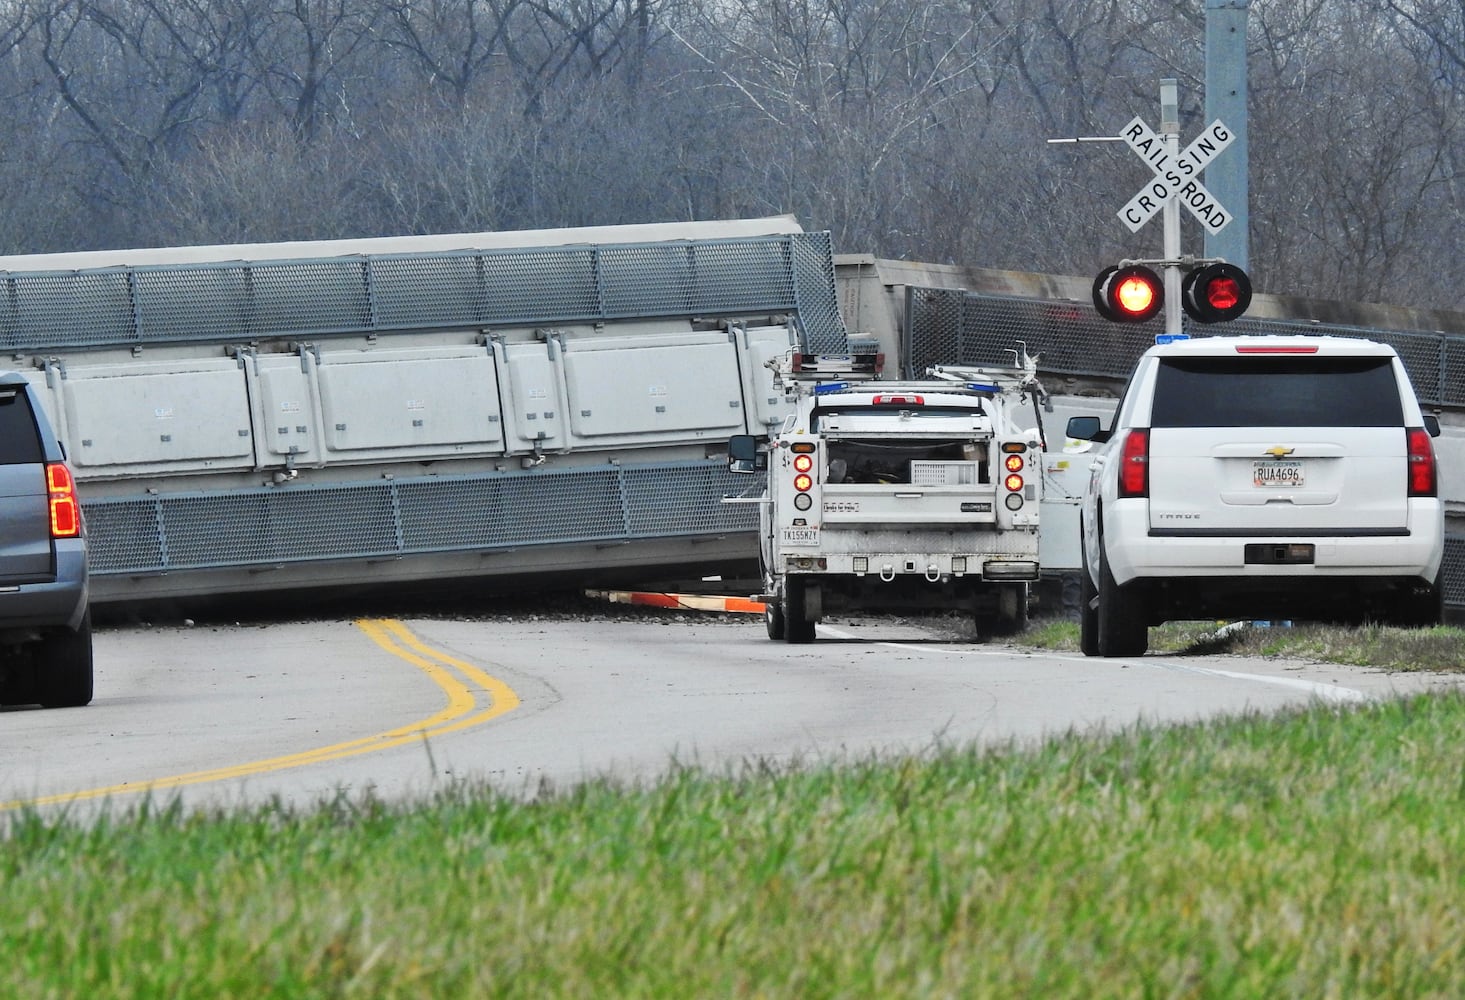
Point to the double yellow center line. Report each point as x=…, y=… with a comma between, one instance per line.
x=462, y=711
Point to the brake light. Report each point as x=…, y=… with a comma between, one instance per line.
x=65, y=511
x=803, y=468
x=1423, y=477
x=1013, y=482
x=1276, y=349
x=1134, y=464
x=897, y=400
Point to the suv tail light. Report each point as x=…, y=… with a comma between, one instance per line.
x=1423, y=477
x=1134, y=464
x=65, y=512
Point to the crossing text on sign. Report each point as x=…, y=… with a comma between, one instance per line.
x=1175, y=176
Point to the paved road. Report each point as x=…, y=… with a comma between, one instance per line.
x=302, y=711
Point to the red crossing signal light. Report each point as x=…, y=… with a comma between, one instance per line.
x=1130, y=294
x=1215, y=293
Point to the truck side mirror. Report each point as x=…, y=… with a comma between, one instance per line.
x=1087, y=429
x=744, y=455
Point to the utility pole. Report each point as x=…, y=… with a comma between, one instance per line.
x=1226, y=100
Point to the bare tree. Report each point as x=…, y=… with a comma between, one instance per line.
x=307, y=55
x=907, y=127
x=453, y=43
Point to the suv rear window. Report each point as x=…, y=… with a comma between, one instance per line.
x=1276, y=392
x=20, y=441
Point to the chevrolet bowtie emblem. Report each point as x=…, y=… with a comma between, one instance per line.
x=1280, y=452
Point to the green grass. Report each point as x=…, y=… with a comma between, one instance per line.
x=1312, y=854
x=1438, y=648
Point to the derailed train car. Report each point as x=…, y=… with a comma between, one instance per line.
x=305, y=415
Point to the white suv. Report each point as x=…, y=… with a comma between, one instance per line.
x=1260, y=477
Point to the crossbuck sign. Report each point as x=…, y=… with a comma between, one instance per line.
x=1176, y=176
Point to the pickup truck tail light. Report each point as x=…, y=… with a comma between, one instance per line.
x=1134, y=464
x=65, y=511
x=1013, y=462
x=803, y=464
x=1423, y=472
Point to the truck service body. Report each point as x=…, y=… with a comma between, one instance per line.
x=888, y=495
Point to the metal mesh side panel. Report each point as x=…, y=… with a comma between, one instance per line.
x=423, y=291
x=819, y=316
x=744, y=276
x=687, y=500
x=477, y=512
x=954, y=327
x=1453, y=569
x=322, y=296
x=266, y=526
x=215, y=302
x=123, y=535
x=1452, y=370
x=274, y=526
x=545, y=286
x=66, y=310
x=632, y=277
x=178, y=304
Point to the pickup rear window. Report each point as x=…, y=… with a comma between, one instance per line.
x=1276, y=392
x=20, y=441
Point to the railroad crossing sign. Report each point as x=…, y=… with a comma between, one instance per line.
x=1176, y=175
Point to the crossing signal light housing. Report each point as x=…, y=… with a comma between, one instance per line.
x=1215, y=293
x=1130, y=294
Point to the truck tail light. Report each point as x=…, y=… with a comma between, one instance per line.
x=65, y=511
x=1423, y=477
x=803, y=464
x=1134, y=464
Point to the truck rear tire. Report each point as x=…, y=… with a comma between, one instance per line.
x=798, y=626
x=773, y=619
x=1123, y=628
x=63, y=664
x=1011, y=616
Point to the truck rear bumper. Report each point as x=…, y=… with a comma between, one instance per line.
x=930, y=566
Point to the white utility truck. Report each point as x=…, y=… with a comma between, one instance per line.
x=889, y=495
